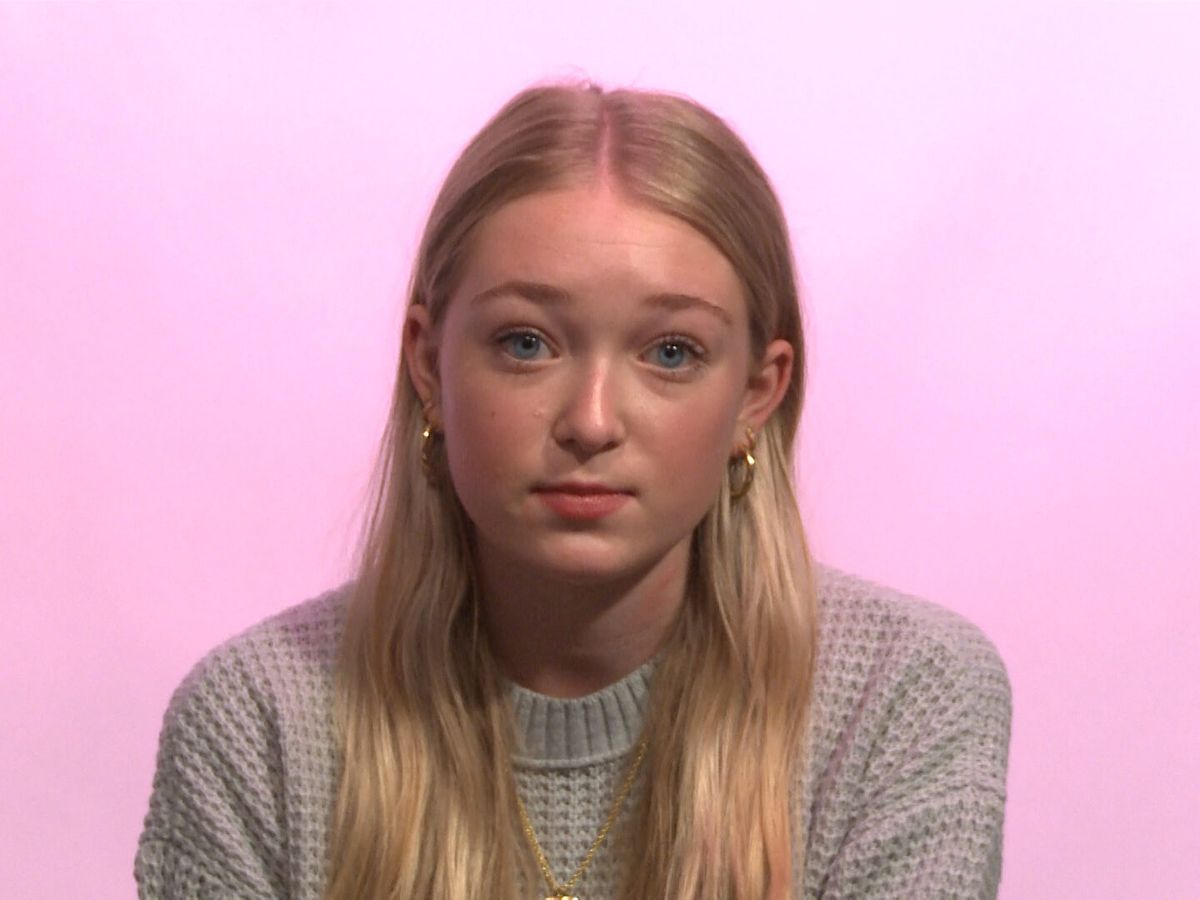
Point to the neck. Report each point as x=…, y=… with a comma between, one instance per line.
x=569, y=637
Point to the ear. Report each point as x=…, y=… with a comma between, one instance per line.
x=419, y=351
x=765, y=388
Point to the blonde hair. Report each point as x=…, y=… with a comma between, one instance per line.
x=426, y=804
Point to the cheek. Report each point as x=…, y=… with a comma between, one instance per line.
x=693, y=447
x=486, y=433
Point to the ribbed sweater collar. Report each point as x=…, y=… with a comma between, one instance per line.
x=561, y=733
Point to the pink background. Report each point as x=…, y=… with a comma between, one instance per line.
x=207, y=218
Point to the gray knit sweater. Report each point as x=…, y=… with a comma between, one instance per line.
x=903, y=794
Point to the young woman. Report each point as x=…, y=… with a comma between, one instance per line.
x=587, y=652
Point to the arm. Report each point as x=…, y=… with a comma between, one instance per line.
x=215, y=827
x=931, y=823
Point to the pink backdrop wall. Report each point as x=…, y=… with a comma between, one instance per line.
x=206, y=217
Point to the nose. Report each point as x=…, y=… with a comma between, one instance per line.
x=589, y=419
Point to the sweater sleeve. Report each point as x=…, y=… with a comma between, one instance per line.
x=215, y=823
x=933, y=791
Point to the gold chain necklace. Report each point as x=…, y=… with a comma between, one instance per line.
x=563, y=891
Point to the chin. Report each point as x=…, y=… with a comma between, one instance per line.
x=587, y=562
x=585, y=571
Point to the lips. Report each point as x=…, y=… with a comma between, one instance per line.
x=581, y=488
x=582, y=501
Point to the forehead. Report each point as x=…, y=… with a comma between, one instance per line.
x=591, y=241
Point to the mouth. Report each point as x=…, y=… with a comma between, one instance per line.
x=582, y=501
x=579, y=488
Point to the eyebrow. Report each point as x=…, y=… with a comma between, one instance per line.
x=550, y=295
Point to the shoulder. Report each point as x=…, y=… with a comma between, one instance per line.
x=292, y=650
x=246, y=761
x=894, y=669
x=911, y=710
x=863, y=624
x=258, y=688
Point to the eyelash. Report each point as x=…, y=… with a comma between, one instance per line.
x=692, y=347
x=689, y=366
x=503, y=339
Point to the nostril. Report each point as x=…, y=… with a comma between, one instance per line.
x=588, y=417
x=588, y=431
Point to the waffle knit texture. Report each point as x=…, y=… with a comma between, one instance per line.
x=903, y=794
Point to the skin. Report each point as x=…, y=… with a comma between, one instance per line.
x=599, y=385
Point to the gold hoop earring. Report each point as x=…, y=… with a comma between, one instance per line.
x=429, y=436
x=739, y=484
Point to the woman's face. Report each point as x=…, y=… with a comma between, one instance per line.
x=592, y=376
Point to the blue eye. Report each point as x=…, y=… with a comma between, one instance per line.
x=522, y=345
x=673, y=353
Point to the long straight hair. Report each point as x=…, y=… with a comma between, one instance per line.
x=426, y=802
